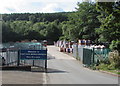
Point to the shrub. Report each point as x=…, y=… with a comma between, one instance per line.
x=111, y=66
x=115, y=45
x=114, y=58
x=102, y=66
x=105, y=61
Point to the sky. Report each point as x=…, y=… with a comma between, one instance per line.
x=37, y=6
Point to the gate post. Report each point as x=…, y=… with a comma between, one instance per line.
x=46, y=65
x=18, y=61
x=7, y=57
x=93, y=55
x=33, y=63
x=77, y=51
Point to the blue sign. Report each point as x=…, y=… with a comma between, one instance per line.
x=33, y=54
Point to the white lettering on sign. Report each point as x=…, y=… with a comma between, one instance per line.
x=32, y=54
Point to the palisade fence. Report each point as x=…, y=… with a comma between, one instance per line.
x=10, y=53
x=89, y=55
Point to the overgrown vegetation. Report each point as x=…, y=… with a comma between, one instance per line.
x=112, y=64
x=114, y=59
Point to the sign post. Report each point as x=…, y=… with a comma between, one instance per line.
x=46, y=65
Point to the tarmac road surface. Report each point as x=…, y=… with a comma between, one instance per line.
x=64, y=69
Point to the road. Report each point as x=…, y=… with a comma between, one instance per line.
x=64, y=69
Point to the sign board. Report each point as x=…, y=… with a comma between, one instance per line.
x=33, y=54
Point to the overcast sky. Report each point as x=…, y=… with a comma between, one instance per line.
x=41, y=6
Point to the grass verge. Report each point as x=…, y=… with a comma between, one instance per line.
x=107, y=68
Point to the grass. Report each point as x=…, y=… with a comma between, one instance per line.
x=112, y=71
x=107, y=68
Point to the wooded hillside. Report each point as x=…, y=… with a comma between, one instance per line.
x=99, y=22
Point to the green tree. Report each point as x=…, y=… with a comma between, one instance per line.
x=32, y=34
x=32, y=18
x=53, y=31
x=109, y=19
x=8, y=34
x=82, y=23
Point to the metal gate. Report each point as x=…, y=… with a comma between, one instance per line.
x=100, y=54
x=90, y=56
x=87, y=56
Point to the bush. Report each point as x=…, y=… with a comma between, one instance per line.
x=111, y=67
x=115, y=45
x=93, y=67
x=114, y=58
x=102, y=66
x=105, y=61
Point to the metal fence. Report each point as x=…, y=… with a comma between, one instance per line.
x=88, y=55
x=10, y=53
x=101, y=54
x=10, y=56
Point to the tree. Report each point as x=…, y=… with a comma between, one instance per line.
x=109, y=19
x=8, y=34
x=82, y=23
x=32, y=34
x=32, y=18
x=53, y=31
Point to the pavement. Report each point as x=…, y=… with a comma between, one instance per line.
x=62, y=69
x=22, y=77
